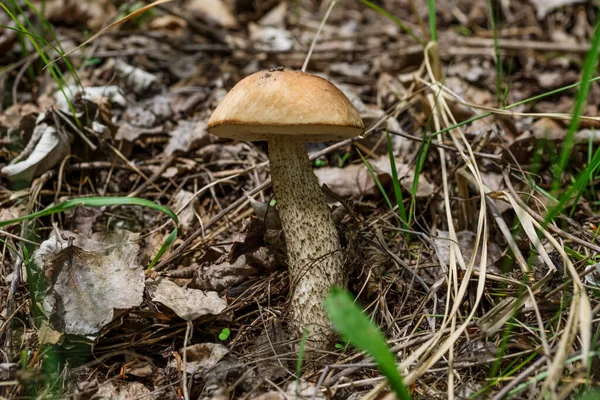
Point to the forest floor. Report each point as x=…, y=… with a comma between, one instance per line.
x=477, y=259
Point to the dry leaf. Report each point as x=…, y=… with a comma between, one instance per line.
x=275, y=17
x=132, y=133
x=216, y=367
x=188, y=304
x=124, y=391
x=51, y=149
x=543, y=7
x=93, y=93
x=351, y=181
x=203, y=356
x=225, y=275
x=268, y=215
x=189, y=135
x=213, y=10
x=87, y=280
x=183, y=204
x=169, y=24
x=138, y=80
x=270, y=38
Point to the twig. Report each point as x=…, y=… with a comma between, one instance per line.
x=314, y=42
x=188, y=330
x=157, y=174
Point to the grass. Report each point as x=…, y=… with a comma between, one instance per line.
x=589, y=69
x=104, y=202
x=55, y=356
x=579, y=184
x=396, y=182
x=345, y=314
x=39, y=44
x=301, y=354
x=363, y=334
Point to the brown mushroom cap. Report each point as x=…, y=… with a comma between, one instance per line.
x=285, y=102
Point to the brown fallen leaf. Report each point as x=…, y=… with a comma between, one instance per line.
x=189, y=135
x=86, y=279
x=225, y=275
x=216, y=367
x=184, y=203
x=169, y=24
x=188, y=304
x=123, y=391
x=351, y=181
x=212, y=10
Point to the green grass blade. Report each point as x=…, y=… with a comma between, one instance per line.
x=54, y=70
x=102, y=202
x=432, y=20
x=376, y=179
x=396, y=182
x=362, y=333
x=576, y=189
x=518, y=103
x=589, y=67
x=301, y=352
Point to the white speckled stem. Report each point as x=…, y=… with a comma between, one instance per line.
x=314, y=253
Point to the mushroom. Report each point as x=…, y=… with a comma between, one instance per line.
x=288, y=108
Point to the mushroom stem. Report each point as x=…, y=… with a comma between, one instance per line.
x=314, y=253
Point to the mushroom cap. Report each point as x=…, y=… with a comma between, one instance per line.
x=285, y=102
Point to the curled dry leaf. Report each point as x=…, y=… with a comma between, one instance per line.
x=92, y=93
x=86, y=280
x=225, y=275
x=216, y=367
x=52, y=147
x=202, y=357
x=188, y=304
x=135, y=78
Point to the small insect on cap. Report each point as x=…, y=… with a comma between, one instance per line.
x=285, y=102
